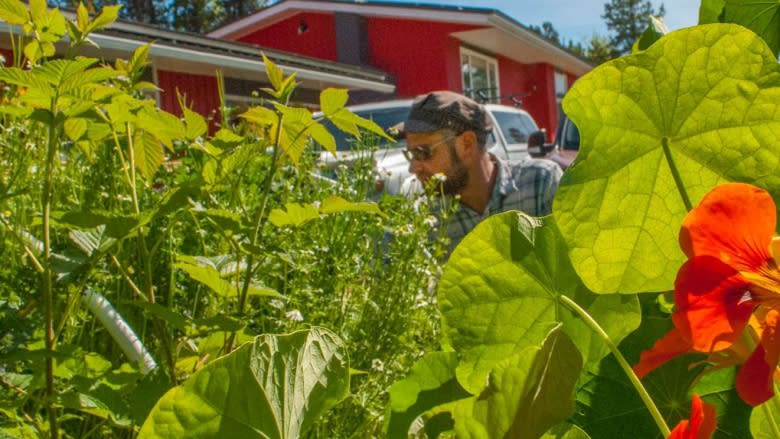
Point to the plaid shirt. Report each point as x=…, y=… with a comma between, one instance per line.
x=527, y=185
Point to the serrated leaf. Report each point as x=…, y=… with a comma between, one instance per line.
x=275, y=387
x=148, y=154
x=90, y=76
x=117, y=226
x=164, y=126
x=294, y=214
x=75, y=127
x=13, y=12
x=711, y=93
x=167, y=315
x=431, y=383
x=108, y=14
x=332, y=100
x=91, y=241
x=321, y=135
x=58, y=71
x=500, y=293
x=275, y=74
x=207, y=275
x=335, y=204
x=195, y=123
x=526, y=394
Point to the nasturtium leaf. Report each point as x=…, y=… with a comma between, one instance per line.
x=500, y=292
x=711, y=93
x=526, y=394
x=765, y=421
x=431, y=383
x=565, y=431
x=711, y=11
x=272, y=388
x=762, y=17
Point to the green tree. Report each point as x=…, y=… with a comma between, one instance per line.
x=627, y=19
x=600, y=50
x=548, y=31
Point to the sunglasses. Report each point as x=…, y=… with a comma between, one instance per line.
x=423, y=153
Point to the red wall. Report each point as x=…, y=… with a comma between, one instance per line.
x=200, y=93
x=420, y=55
x=540, y=101
x=319, y=40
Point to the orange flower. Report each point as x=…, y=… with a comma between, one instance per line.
x=730, y=276
x=700, y=426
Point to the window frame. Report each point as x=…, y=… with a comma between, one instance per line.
x=490, y=64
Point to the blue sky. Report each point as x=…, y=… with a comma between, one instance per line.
x=574, y=19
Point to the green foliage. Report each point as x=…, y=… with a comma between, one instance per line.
x=521, y=270
x=763, y=18
x=627, y=19
x=274, y=387
x=711, y=109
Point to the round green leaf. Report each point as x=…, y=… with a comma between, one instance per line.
x=499, y=294
x=272, y=388
x=710, y=93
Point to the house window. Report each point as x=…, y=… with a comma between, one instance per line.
x=480, y=76
x=561, y=85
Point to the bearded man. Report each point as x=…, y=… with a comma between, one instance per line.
x=446, y=134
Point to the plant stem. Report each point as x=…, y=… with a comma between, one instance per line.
x=676, y=174
x=593, y=324
x=47, y=292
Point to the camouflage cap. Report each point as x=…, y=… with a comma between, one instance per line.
x=447, y=110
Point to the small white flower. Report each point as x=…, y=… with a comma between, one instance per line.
x=294, y=315
x=377, y=365
x=431, y=221
x=439, y=177
x=276, y=303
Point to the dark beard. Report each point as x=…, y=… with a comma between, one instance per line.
x=458, y=178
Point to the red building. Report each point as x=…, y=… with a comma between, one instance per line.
x=480, y=52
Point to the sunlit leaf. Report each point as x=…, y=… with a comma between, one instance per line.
x=526, y=394
x=760, y=16
x=765, y=421
x=148, y=154
x=13, y=12
x=335, y=204
x=275, y=387
x=195, y=123
x=108, y=15
x=500, y=293
x=332, y=100
x=431, y=383
x=294, y=214
x=710, y=93
x=75, y=127
x=274, y=73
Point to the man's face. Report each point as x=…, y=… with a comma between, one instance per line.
x=435, y=153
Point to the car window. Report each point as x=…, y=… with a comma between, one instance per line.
x=571, y=137
x=385, y=118
x=516, y=127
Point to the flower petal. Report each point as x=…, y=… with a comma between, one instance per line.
x=669, y=346
x=702, y=423
x=755, y=379
x=713, y=304
x=733, y=222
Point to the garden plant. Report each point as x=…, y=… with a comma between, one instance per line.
x=170, y=275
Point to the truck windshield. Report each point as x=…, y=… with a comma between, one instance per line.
x=385, y=118
x=516, y=127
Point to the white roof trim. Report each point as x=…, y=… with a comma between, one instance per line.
x=111, y=42
x=287, y=8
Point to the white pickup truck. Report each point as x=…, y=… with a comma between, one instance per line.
x=512, y=130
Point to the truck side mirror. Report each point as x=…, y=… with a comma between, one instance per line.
x=536, y=144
